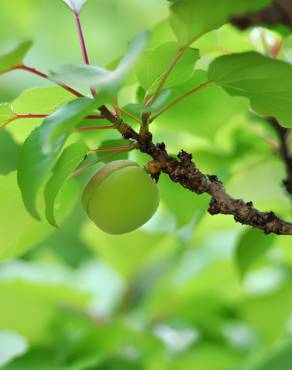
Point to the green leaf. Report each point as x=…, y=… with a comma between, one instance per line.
x=154, y=63
x=43, y=100
x=138, y=108
x=190, y=206
x=190, y=19
x=251, y=246
x=6, y=113
x=14, y=216
x=266, y=82
x=113, y=144
x=67, y=162
x=42, y=147
x=75, y=5
x=203, y=113
x=15, y=56
x=100, y=78
x=279, y=360
x=9, y=151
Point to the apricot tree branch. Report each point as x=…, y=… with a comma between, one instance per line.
x=183, y=170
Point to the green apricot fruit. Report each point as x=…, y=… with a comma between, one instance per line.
x=120, y=197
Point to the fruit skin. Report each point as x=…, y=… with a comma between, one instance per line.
x=120, y=197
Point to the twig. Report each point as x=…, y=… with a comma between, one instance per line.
x=165, y=76
x=126, y=113
x=180, y=98
x=83, y=45
x=45, y=76
x=91, y=128
x=264, y=136
x=113, y=149
x=34, y=116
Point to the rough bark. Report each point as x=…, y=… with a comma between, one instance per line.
x=184, y=171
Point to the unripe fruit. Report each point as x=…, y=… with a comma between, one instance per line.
x=120, y=197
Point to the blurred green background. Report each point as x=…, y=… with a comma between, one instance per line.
x=171, y=295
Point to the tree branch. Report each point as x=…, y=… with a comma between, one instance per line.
x=282, y=134
x=183, y=170
x=279, y=12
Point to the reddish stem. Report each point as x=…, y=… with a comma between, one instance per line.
x=131, y=116
x=113, y=149
x=30, y=115
x=89, y=128
x=95, y=116
x=81, y=39
x=83, y=45
x=43, y=75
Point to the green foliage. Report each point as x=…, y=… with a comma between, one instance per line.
x=15, y=56
x=29, y=231
x=167, y=296
x=149, y=71
x=211, y=109
x=113, y=154
x=100, y=78
x=251, y=245
x=5, y=113
x=9, y=151
x=42, y=147
x=68, y=161
x=44, y=100
x=264, y=81
x=188, y=29
x=281, y=359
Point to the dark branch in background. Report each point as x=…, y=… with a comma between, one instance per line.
x=283, y=134
x=183, y=170
x=278, y=13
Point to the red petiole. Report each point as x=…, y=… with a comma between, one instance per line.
x=90, y=117
x=47, y=77
x=117, y=148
